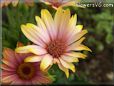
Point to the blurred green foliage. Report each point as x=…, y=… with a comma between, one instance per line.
x=98, y=21
x=12, y=20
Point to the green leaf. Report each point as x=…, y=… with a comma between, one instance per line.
x=109, y=38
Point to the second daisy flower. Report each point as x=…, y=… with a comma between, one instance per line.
x=55, y=40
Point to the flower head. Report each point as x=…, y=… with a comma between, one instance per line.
x=17, y=72
x=55, y=40
x=5, y=3
x=60, y=3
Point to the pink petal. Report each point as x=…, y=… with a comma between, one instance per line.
x=32, y=33
x=9, y=78
x=5, y=73
x=17, y=81
x=35, y=81
x=43, y=79
x=61, y=20
x=49, y=22
x=42, y=29
x=18, y=58
x=7, y=68
x=9, y=55
x=10, y=64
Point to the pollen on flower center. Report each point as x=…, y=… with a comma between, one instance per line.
x=56, y=48
x=26, y=71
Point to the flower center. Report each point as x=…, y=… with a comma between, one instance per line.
x=26, y=70
x=56, y=48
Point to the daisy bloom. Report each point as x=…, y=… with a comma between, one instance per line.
x=55, y=40
x=5, y=3
x=17, y=72
x=61, y=3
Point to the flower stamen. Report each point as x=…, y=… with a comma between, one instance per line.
x=56, y=48
x=26, y=71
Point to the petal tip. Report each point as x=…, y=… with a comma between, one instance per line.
x=22, y=26
x=36, y=17
x=89, y=50
x=73, y=70
x=27, y=59
x=85, y=31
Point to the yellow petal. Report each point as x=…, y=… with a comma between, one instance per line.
x=33, y=59
x=69, y=58
x=32, y=33
x=31, y=49
x=71, y=25
x=30, y=25
x=42, y=29
x=57, y=17
x=46, y=62
x=75, y=44
x=75, y=30
x=40, y=23
x=82, y=47
x=64, y=18
x=61, y=16
x=64, y=69
x=49, y=22
x=77, y=36
x=15, y=2
x=67, y=65
x=78, y=28
x=63, y=22
x=72, y=22
x=76, y=55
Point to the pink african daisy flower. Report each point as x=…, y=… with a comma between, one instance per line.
x=17, y=72
x=61, y=3
x=55, y=40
